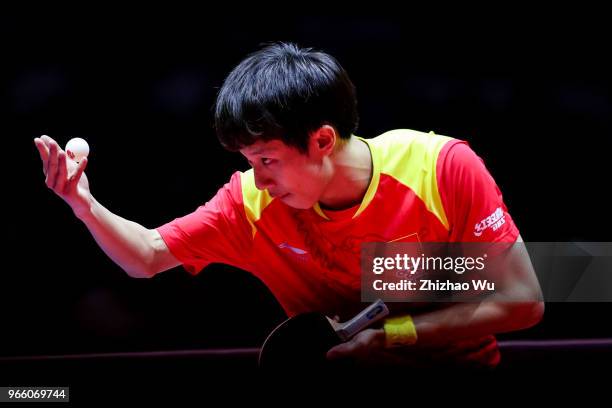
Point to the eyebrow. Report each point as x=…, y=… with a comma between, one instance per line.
x=263, y=150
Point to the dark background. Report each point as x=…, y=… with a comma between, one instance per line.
x=532, y=97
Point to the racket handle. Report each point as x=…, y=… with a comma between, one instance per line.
x=368, y=316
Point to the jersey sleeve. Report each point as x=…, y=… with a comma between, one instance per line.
x=216, y=232
x=472, y=200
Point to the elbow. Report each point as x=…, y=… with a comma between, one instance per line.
x=535, y=313
x=539, y=314
x=143, y=262
x=527, y=314
x=139, y=272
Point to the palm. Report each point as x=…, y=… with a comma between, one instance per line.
x=80, y=193
x=63, y=175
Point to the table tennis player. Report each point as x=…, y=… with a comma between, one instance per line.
x=316, y=191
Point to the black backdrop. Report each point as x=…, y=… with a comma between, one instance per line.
x=533, y=100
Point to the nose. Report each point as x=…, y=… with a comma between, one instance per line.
x=262, y=180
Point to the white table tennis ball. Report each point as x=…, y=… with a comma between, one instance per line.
x=77, y=149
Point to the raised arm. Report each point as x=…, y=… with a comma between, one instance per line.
x=141, y=252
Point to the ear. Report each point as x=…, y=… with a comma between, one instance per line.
x=322, y=141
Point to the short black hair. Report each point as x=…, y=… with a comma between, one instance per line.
x=284, y=92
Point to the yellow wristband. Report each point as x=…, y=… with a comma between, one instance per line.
x=400, y=331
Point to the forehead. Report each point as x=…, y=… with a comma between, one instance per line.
x=265, y=147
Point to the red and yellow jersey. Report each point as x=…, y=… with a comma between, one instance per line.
x=424, y=188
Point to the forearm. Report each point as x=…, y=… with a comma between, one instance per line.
x=470, y=320
x=516, y=306
x=128, y=244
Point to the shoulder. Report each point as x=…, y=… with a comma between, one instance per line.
x=458, y=160
x=408, y=138
x=402, y=150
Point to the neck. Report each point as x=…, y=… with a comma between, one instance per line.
x=352, y=172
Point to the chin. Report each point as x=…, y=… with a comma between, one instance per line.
x=297, y=204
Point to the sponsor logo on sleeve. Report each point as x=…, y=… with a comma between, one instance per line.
x=493, y=221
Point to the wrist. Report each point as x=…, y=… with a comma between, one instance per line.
x=84, y=211
x=399, y=331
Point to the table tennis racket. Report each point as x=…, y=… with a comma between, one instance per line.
x=304, y=340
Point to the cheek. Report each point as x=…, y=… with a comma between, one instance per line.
x=307, y=180
x=304, y=179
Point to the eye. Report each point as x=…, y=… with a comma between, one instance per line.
x=266, y=161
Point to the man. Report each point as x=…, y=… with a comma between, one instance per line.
x=315, y=193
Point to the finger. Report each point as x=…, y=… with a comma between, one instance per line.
x=61, y=173
x=42, y=150
x=343, y=350
x=73, y=180
x=51, y=170
x=47, y=140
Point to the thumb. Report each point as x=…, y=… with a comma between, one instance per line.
x=80, y=169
